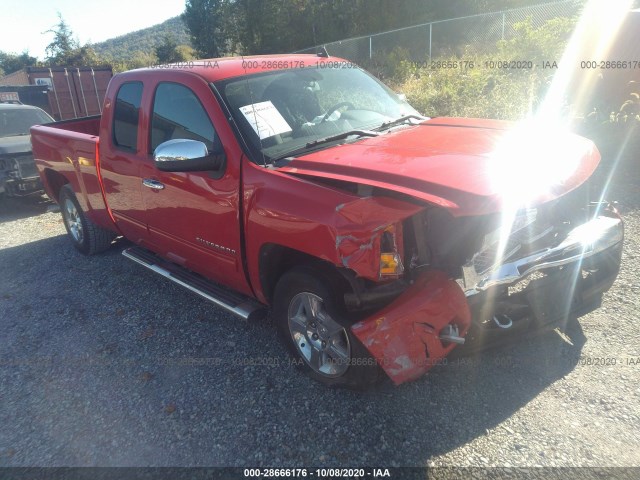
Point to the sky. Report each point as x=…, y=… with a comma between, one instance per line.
x=23, y=22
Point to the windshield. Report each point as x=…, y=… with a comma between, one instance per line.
x=18, y=121
x=279, y=112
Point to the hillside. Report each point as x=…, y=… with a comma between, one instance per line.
x=125, y=46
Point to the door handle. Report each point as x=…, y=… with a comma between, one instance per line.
x=151, y=183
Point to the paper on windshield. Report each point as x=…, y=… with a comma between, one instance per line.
x=265, y=119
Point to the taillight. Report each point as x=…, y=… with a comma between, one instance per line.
x=390, y=254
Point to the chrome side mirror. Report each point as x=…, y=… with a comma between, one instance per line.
x=185, y=155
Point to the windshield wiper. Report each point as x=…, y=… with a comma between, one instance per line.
x=340, y=136
x=332, y=138
x=400, y=120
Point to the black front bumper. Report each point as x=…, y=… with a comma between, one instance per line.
x=19, y=187
x=19, y=175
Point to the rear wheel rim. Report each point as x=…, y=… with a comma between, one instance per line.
x=321, y=341
x=73, y=221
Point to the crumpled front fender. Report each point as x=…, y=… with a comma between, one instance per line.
x=404, y=336
x=359, y=226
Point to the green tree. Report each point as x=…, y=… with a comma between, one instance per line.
x=170, y=52
x=63, y=43
x=65, y=50
x=82, y=56
x=166, y=51
x=272, y=26
x=137, y=59
x=185, y=52
x=10, y=62
x=205, y=21
x=277, y=26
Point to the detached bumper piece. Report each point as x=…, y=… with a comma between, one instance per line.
x=417, y=330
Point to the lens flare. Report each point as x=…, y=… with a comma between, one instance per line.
x=539, y=154
x=594, y=35
x=531, y=160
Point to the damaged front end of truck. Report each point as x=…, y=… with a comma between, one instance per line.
x=430, y=277
x=436, y=281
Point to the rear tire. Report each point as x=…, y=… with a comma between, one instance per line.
x=314, y=326
x=85, y=235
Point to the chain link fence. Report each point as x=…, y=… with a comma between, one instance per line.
x=475, y=33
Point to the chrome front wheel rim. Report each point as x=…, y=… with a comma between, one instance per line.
x=321, y=341
x=73, y=220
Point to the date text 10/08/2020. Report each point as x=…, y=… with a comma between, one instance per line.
x=317, y=472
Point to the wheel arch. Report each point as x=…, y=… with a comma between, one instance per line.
x=275, y=260
x=54, y=181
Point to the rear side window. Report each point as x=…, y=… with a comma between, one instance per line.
x=125, y=116
x=177, y=113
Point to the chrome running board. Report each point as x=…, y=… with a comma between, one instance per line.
x=233, y=302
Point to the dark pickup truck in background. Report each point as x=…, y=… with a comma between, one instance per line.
x=18, y=173
x=380, y=238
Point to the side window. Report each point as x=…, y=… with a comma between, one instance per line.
x=177, y=113
x=125, y=116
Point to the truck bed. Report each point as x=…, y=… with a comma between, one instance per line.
x=88, y=125
x=67, y=152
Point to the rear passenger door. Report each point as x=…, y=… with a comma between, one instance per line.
x=122, y=153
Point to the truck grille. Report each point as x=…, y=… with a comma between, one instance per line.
x=521, y=239
x=490, y=256
x=26, y=166
x=531, y=234
x=19, y=166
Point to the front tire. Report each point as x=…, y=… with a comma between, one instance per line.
x=315, y=329
x=85, y=235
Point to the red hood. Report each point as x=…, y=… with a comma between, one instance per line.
x=469, y=166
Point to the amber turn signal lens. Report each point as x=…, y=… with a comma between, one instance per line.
x=390, y=265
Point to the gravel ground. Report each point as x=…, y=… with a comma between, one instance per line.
x=105, y=364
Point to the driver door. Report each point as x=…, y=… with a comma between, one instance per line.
x=193, y=217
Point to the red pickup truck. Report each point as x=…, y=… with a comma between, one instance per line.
x=380, y=238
